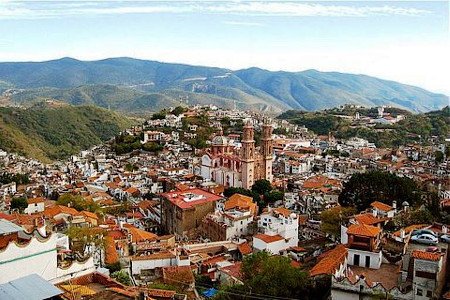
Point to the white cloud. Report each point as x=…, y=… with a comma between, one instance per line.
x=239, y=23
x=43, y=9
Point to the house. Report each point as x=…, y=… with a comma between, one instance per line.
x=85, y=219
x=231, y=218
x=158, y=260
x=184, y=211
x=363, y=245
x=153, y=136
x=332, y=262
x=35, y=205
x=270, y=243
x=179, y=276
x=60, y=213
x=231, y=274
x=382, y=210
x=279, y=227
x=429, y=273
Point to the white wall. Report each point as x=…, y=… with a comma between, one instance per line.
x=138, y=265
x=35, y=208
x=36, y=257
x=77, y=269
x=375, y=258
x=273, y=248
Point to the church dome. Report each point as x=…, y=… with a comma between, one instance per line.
x=220, y=140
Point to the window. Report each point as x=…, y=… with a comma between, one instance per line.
x=356, y=259
x=429, y=294
x=419, y=292
x=367, y=261
x=424, y=274
x=242, y=222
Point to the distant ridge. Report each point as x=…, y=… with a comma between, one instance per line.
x=144, y=85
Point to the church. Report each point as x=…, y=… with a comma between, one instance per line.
x=231, y=166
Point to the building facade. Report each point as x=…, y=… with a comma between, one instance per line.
x=230, y=166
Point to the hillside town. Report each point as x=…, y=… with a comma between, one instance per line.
x=198, y=202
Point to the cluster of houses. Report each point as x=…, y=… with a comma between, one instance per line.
x=162, y=218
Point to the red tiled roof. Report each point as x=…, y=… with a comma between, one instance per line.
x=381, y=206
x=111, y=255
x=179, y=200
x=368, y=219
x=242, y=202
x=268, y=238
x=178, y=274
x=244, y=248
x=282, y=211
x=139, y=235
x=363, y=230
x=233, y=270
x=58, y=209
x=330, y=262
x=161, y=293
x=35, y=200
x=424, y=255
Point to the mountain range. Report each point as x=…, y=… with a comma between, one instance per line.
x=133, y=85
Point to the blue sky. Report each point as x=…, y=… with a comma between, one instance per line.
x=399, y=40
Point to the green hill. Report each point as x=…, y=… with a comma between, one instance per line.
x=52, y=131
x=126, y=83
x=415, y=128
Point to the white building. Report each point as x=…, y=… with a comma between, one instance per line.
x=35, y=205
x=36, y=256
x=279, y=227
x=157, y=260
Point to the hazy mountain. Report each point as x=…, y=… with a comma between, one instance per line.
x=54, y=130
x=134, y=85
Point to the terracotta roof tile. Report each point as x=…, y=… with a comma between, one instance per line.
x=139, y=235
x=282, y=211
x=363, y=230
x=381, y=206
x=331, y=261
x=268, y=238
x=424, y=255
x=242, y=202
x=368, y=219
x=244, y=248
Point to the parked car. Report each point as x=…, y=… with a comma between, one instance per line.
x=445, y=238
x=427, y=239
x=424, y=231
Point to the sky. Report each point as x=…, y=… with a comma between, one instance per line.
x=397, y=40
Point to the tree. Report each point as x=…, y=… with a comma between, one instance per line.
x=159, y=115
x=418, y=216
x=263, y=274
x=77, y=202
x=273, y=196
x=19, y=203
x=82, y=237
x=122, y=276
x=364, y=188
x=438, y=157
x=230, y=191
x=179, y=110
x=333, y=217
x=152, y=147
x=114, y=267
x=262, y=186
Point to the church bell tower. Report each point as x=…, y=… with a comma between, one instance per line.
x=248, y=156
x=267, y=150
